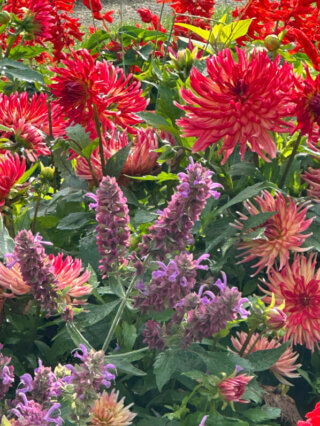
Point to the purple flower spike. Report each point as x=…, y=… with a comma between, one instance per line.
x=172, y=230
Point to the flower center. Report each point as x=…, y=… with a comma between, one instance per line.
x=314, y=104
x=240, y=88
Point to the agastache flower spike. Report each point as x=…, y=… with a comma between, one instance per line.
x=6, y=374
x=172, y=230
x=113, y=218
x=35, y=269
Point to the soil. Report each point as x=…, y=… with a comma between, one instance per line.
x=127, y=8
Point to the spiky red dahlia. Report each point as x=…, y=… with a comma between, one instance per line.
x=71, y=279
x=307, y=101
x=108, y=411
x=312, y=176
x=141, y=160
x=38, y=19
x=29, y=123
x=84, y=84
x=298, y=285
x=313, y=417
x=284, y=368
x=281, y=233
x=11, y=170
x=241, y=102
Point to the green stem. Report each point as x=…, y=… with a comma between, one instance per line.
x=76, y=335
x=246, y=342
x=98, y=127
x=291, y=158
x=33, y=227
x=12, y=39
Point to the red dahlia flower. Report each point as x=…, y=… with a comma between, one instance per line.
x=11, y=170
x=284, y=367
x=29, y=123
x=298, y=286
x=84, y=84
x=312, y=176
x=313, y=417
x=141, y=160
x=241, y=102
x=38, y=19
x=281, y=233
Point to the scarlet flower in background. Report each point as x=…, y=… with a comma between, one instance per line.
x=71, y=278
x=29, y=122
x=11, y=170
x=284, y=368
x=231, y=388
x=241, y=102
x=95, y=6
x=312, y=176
x=107, y=410
x=298, y=285
x=313, y=418
x=83, y=84
x=281, y=233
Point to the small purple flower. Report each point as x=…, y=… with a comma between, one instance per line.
x=172, y=230
x=6, y=374
x=35, y=269
x=112, y=215
x=170, y=283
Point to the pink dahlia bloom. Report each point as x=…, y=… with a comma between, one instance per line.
x=11, y=170
x=231, y=388
x=241, y=102
x=312, y=176
x=29, y=123
x=298, y=285
x=70, y=277
x=281, y=233
x=141, y=160
x=84, y=84
x=284, y=368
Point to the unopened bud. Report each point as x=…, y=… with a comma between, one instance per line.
x=4, y=17
x=47, y=173
x=272, y=42
x=276, y=319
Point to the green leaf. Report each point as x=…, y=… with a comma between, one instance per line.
x=164, y=367
x=95, y=39
x=262, y=414
x=79, y=139
x=125, y=366
x=143, y=216
x=75, y=221
x=26, y=52
x=95, y=313
x=263, y=360
x=129, y=334
x=115, y=164
x=248, y=192
x=200, y=32
x=257, y=220
x=6, y=242
x=88, y=150
x=158, y=122
x=14, y=69
x=27, y=174
x=234, y=30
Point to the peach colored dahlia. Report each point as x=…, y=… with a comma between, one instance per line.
x=231, y=389
x=312, y=176
x=282, y=232
x=284, y=368
x=298, y=285
x=11, y=170
x=240, y=101
x=108, y=411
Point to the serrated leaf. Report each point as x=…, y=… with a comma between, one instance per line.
x=6, y=242
x=115, y=163
x=164, y=367
x=75, y=221
x=129, y=334
x=95, y=313
x=263, y=360
x=14, y=69
x=262, y=414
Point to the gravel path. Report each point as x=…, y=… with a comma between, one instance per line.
x=129, y=14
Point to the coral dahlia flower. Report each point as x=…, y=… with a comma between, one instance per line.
x=11, y=170
x=241, y=102
x=231, y=388
x=281, y=233
x=284, y=368
x=298, y=285
x=71, y=279
x=29, y=123
x=307, y=101
x=84, y=84
x=108, y=411
x=312, y=176
x=141, y=160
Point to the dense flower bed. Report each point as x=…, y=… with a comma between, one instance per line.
x=159, y=200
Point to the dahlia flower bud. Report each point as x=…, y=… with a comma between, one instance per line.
x=233, y=387
x=35, y=269
x=86, y=380
x=4, y=17
x=6, y=374
x=107, y=410
x=276, y=319
x=153, y=335
x=272, y=42
x=113, y=217
x=170, y=283
x=172, y=230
